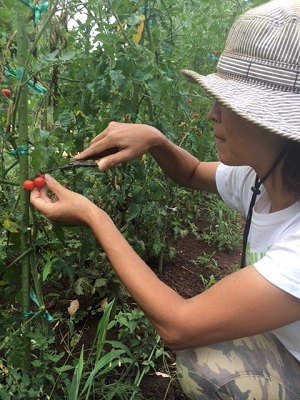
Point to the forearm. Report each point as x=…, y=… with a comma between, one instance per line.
x=175, y=162
x=181, y=166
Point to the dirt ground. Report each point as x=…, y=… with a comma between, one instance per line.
x=184, y=276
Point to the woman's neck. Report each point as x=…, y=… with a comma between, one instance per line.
x=279, y=197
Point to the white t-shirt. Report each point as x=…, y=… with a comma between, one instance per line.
x=273, y=245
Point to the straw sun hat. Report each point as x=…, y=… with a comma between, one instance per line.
x=258, y=74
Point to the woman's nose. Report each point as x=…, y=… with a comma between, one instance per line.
x=214, y=113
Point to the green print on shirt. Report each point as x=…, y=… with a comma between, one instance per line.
x=253, y=257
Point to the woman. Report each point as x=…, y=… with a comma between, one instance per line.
x=240, y=339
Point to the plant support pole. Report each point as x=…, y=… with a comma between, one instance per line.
x=22, y=47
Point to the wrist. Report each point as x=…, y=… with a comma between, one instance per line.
x=92, y=215
x=155, y=138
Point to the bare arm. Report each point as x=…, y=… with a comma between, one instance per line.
x=239, y=305
x=134, y=140
x=185, y=169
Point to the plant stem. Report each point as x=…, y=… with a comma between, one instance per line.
x=24, y=326
x=24, y=197
x=147, y=27
x=25, y=254
x=23, y=81
x=6, y=182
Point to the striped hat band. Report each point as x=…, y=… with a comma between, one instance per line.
x=277, y=77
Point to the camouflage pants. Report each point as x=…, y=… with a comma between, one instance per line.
x=253, y=368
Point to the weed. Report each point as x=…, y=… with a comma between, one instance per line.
x=207, y=283
x=224, y=230
x=206, y=260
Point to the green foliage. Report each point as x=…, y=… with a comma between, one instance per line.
x=96, y=70
x=224, y=229
x=89, y=375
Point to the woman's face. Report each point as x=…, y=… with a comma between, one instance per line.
x=240, y=142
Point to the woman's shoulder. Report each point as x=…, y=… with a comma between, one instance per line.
x=234, y=185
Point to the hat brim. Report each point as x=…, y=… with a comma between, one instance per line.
x=275, y=110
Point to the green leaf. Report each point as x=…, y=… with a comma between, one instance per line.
x=60, y=233
x=39, y=156
x=132, y=212
x=115, y=4
x=134, y=19
x=52, y=56
x=64, y=368
x=46, y=270
x=82, y=286
x=117, y=76
x=73, y=395
x=141, y=75
x=67, y=56
x=36, y=363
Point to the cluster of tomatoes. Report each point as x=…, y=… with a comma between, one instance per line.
x=195, y=115
x=38, y=182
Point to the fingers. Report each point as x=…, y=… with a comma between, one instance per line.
x=105, y=163
x=37, y=193
x=104, y=144
x=97, y=146
x=54, y=186
x=39, y=197
x=86, y=154
x=118, y=143
x=63, y=209
x=111, y=161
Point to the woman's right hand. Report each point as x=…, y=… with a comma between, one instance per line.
x=125, y=142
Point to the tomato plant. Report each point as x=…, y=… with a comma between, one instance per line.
x=97, y=70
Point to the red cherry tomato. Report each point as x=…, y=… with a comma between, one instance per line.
x=127, y=116
x=28, y=185
x=195, y=115
x=189, y=101
x=39, y=181
x=6, y=92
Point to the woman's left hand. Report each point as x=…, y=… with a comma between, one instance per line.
x=66, y=208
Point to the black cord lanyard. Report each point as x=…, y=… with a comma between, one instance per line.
x=256, y=192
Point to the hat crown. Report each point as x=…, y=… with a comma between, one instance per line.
x=263, y=47
x=269, y=33
x=258, y=73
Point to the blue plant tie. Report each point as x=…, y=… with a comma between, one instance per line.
x=45, y=314
x=37, y=9
x=35, y=300
x=135, y=116
x=18, y=74
x=27, y=314
x=211, y=56
x=22, y=150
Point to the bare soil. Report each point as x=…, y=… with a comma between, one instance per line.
x=182, y=274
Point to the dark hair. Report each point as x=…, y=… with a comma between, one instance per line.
x=291, y=169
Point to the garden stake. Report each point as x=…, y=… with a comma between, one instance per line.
x=26, y=60
x=21, y=152
x=24, y=198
